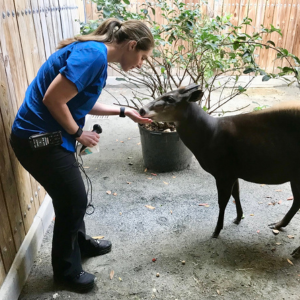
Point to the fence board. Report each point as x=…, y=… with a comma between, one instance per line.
x=89, y=10
x=11, y=47
x=56, y=13
x=218, y=8
x=21, y=7
x=283, y=25
x=42, y=193
x=260, y=14
x=52, y=15
x=234, y=11
x=269, y=64
x=252, y=6
x=7, y=247
x=69, y=22
x=296, y=45
x=290, y=35
x=31, y=58
x=81, y=9
x=41, y=12
x=268, y=19
x=244, y=5
x=64, y=19
x=38, y=31
x=75, y=18
x=2, y=271
x=211, y=8
x=48, y=18
x=6, y=173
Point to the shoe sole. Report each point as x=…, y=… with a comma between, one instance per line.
x=75, y=287
x=105, y=251
x=102, y=252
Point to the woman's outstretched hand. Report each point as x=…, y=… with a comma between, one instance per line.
x=136, y=117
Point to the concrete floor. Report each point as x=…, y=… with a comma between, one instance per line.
x=247, y=261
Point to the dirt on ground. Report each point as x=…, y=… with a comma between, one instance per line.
x=149, y=215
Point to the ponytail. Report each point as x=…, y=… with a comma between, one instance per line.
x=114, y=31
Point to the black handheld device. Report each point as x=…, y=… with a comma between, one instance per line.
x=96, y=128
x=45, y=140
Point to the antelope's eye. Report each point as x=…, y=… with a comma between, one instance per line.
x=171, y=100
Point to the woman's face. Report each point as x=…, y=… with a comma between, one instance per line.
x=133, y=58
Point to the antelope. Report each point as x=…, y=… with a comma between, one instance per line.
x=260, y=147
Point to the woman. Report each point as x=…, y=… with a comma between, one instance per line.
x=65, y=89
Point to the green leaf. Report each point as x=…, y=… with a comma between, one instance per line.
x=241, y=89
x=296, y=59
x=266, y=78
x=285, y=52
x=249, y=70
x=271, y=42
x=106, y=12
x=236, y=45
x=127, y=2
x=287, y=70
x=262, y=72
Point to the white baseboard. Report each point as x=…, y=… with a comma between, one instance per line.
x=20, y=269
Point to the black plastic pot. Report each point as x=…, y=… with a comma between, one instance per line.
x=164, y=151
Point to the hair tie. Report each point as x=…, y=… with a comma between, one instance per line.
x=117, y=27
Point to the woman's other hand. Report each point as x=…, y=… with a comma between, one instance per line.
x=136, y=117
x=89, y=138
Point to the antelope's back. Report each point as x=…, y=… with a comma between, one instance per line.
x=263, y=146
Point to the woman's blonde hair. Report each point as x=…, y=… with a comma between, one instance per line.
x=114, y=31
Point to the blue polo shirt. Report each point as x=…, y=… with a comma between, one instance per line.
x=83, y=63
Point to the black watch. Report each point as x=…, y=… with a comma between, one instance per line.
x=122, y=112
x=78, y=133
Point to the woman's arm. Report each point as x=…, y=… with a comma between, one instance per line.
x=100, y=109
x=60, y=91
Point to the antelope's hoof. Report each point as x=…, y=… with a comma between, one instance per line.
x=237, y=221
x=296, y=253
x=215, y=235
x=275, y=226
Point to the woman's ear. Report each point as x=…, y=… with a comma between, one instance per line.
x=132, y=45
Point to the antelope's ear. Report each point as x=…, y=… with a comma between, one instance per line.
x=189, y=88
x=195, y=96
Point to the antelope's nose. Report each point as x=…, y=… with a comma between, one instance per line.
x=142, y=112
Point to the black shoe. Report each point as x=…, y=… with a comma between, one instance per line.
x=99, y=247
x=83, y=282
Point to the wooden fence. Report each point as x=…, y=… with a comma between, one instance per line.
x=283, y=14
x=29, y=33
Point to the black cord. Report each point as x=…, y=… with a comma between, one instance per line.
x=88, y=181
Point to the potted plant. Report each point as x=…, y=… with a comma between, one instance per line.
x=189, y=48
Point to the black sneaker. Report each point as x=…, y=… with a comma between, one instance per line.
x=99, y=247
x=83, y=282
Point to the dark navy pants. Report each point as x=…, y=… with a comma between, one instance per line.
x=57, y=171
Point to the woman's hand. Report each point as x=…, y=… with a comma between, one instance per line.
x=89, y=138
x=136, y=117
